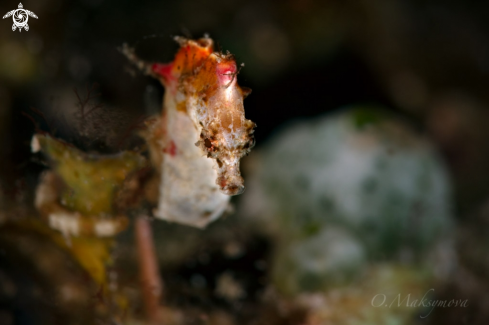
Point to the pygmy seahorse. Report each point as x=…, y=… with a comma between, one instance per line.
x=203, y=117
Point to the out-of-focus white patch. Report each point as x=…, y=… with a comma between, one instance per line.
x=105, y=228
x=66, y=223
x=336, y=193
x=35, y=145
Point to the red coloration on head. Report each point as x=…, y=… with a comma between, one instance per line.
x=165, y=71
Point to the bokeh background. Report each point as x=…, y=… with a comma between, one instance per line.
x=425, y=61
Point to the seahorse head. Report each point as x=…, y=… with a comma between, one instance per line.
x=204, y=85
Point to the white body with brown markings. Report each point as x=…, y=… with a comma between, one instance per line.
x=188, y=190
x=203, y=117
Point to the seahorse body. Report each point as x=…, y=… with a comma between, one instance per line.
x=203, y=117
